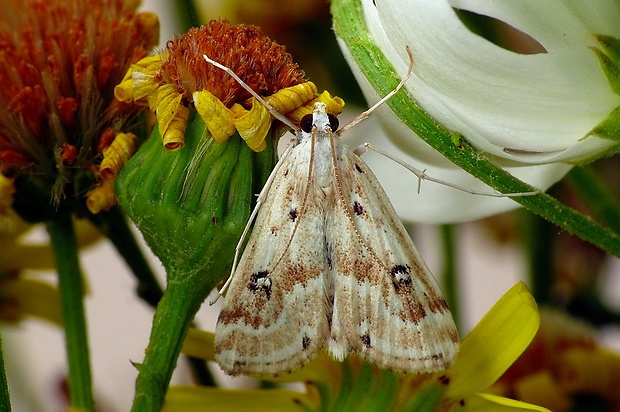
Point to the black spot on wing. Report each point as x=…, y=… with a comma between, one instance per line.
x=358, y=168
x=401, y=277
x=293, y=214
x=260, y=283
x=358, y=208
x=366, y=340
x=305, y=342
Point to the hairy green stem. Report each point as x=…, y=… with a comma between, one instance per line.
x=350, y=26
x=64, y=246
x=172, y=319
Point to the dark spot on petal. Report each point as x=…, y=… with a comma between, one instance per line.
x=444, y=380
x=357, y=208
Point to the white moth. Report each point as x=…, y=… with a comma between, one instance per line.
x=330, y=266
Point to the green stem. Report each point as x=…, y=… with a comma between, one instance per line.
x=350, y=26
x=539, y=240
x=113, y=224
x=64, y=245
x=595, y=195
x=172, y=318
x=450, y=275
x=5, y=398
x=187, y=14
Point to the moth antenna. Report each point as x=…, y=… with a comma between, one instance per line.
x=276, y=114
x=362, y=116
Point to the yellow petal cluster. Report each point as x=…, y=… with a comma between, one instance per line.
x=142, y=86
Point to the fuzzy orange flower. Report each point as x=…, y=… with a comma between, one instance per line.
x=59, y=63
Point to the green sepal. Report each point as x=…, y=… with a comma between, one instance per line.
x=609, y=59
x=193, y=204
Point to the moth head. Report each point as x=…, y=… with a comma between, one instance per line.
x=319, y=118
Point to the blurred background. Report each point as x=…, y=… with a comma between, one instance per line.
x=491, y=255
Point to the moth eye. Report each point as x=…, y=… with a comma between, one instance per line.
x=306, y=123
x=333, y=122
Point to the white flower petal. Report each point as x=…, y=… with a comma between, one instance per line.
x=436, y=203
x=556, y=25
x=524, y=108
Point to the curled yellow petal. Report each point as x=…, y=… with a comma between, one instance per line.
x=139, y=81
x=333, y=105
x=218, y=118
x=253, y=126
x=102, y=197
x=150, y=25
x=171, y=116
x=495, y=343
x=115, y=155
x=290, y=98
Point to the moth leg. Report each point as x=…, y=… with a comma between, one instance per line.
x=421, y=174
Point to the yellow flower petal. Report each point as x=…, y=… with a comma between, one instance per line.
x=253, y=126
x=139, y=81
x=171, y=116
x=290, y=98
x=542, y=389
x=495, y=343
x=197, y=399
x=218, y=118
x=333, y=105
x=486, y=403
x=199, y=344
x=102, y=197
x=116, y=155
x=28, y=297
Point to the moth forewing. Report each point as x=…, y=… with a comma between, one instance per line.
x=382, y=285
x=274, y=317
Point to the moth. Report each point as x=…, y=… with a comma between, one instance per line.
x=329, y=266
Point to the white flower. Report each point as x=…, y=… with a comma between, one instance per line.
x=527, y=112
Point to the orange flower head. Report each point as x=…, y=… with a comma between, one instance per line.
x=59, y=63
